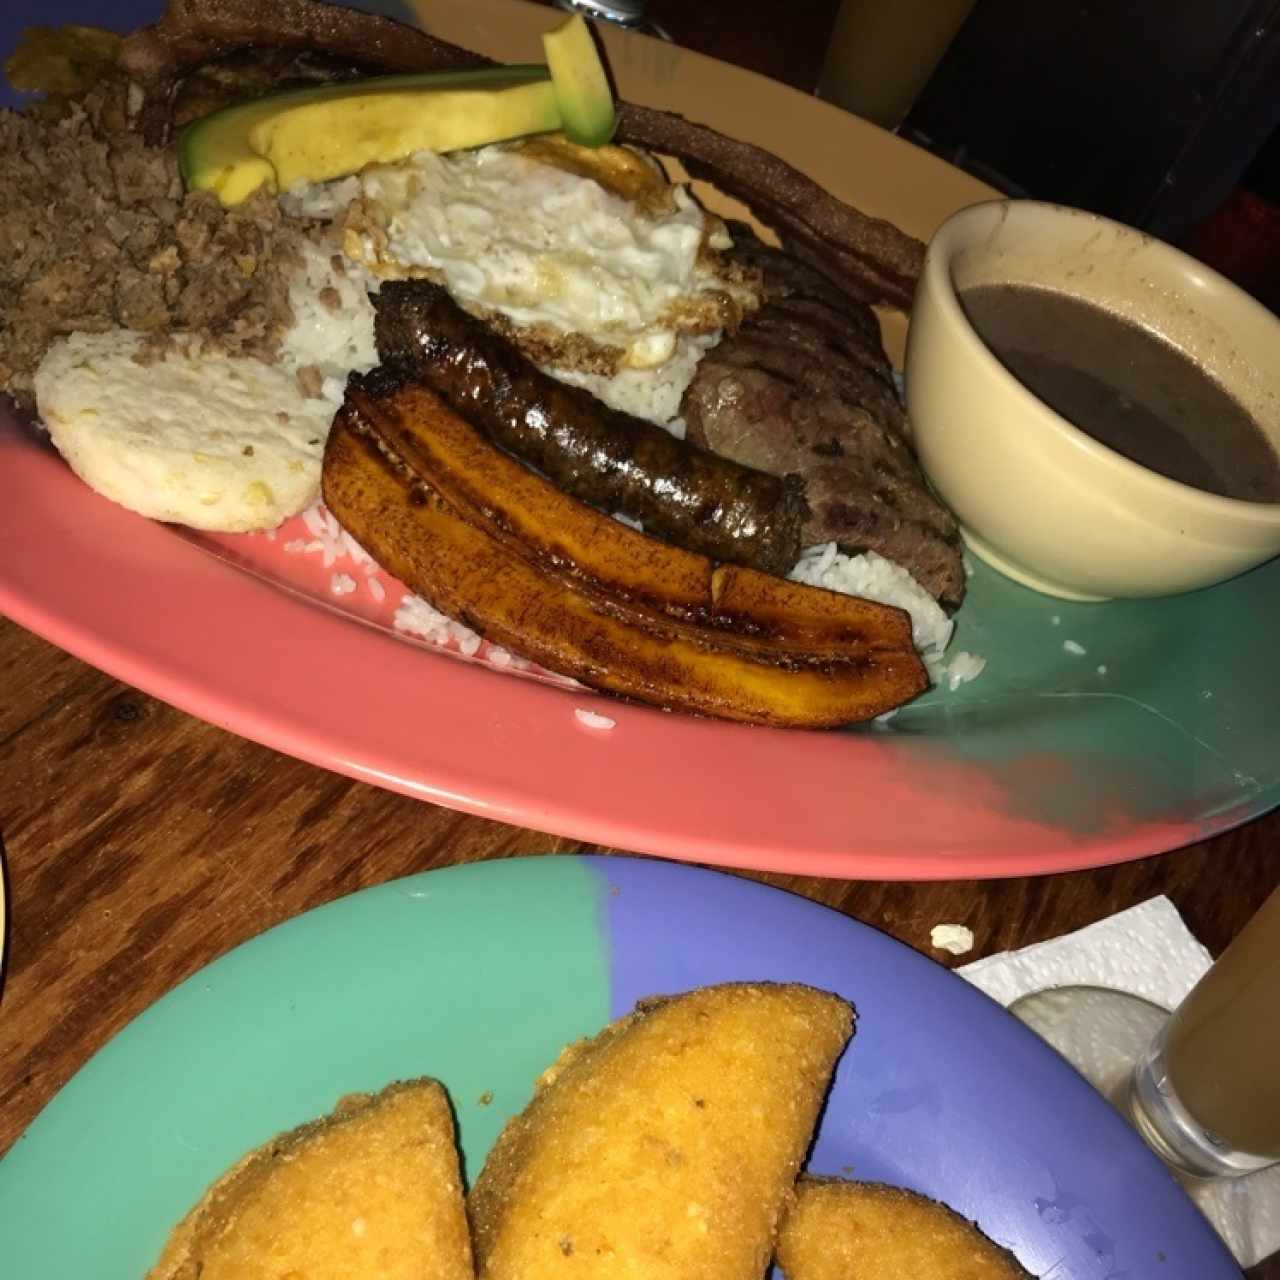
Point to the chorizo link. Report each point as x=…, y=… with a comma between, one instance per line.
x=681, y=493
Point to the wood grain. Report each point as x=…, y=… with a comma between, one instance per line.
x=142, y=843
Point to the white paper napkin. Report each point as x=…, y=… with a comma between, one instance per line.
x=1146, y=951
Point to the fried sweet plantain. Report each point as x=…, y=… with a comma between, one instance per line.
x=462, y=569
x=666, y=1147
x=750, y=610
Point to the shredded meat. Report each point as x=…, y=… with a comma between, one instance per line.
x=98, y=234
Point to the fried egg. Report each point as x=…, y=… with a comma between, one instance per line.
x=605, y=274
x=591, y=261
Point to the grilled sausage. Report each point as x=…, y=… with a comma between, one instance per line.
x=618, y=463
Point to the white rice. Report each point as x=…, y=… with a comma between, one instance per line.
x=336, y=340
x=415, y=617
x=330, y=541
x=963, y=668
x=873, y=577
x=1075, y=648
x=593, y=719
x=652, y=394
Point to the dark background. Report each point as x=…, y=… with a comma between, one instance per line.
x=1146, y=110
x=1159, y=113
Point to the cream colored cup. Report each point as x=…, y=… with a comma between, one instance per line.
x=1037, y=498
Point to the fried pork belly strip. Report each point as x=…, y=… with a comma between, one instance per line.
x=866, y=1231
x=469, y=573
x=869, y=257
x=372, y=1192
x=192, y=32
x=666, y=1147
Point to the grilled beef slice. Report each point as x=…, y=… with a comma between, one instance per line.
x=804, y=386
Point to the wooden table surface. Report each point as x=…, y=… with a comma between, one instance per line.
x=142, y=843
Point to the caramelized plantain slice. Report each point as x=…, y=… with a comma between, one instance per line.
x=630, y=571
x=467, y=573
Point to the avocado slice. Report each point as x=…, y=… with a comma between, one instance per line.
x=581, y=85
x=329, y=131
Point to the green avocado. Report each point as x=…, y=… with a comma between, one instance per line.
x=581, y=85
x=312, y=135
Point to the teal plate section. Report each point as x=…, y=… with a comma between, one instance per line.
x=1168, y=714
x=431, y=975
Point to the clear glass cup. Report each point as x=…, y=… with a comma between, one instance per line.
x=1206, y=1095
x=882, y=53
x=1201, y=1085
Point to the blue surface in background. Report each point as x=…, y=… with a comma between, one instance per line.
x=115, y=15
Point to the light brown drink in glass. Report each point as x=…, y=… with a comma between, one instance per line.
x=883, y=51
x=1222, y=1046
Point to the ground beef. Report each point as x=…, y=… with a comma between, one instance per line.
x=97, y=233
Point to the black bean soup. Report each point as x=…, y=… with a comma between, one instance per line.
x=1127, y=388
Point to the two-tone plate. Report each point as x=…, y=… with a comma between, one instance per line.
x=1096, y=733
x=478, y=975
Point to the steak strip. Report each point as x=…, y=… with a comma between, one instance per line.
x=866, y=257
x=617, y=463
x=804, y=387
x=192, y=32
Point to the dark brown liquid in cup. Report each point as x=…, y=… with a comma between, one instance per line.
x=1129, y=389
x=1222, y=1048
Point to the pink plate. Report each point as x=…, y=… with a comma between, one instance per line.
x=1046, y=762
x=155, y=608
